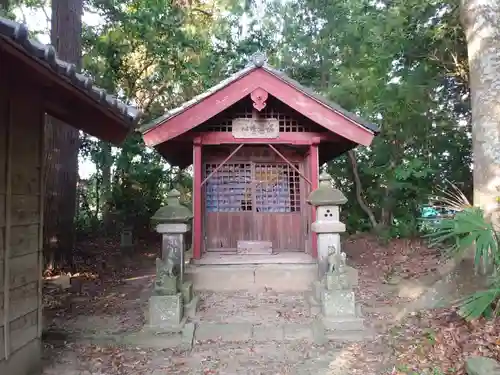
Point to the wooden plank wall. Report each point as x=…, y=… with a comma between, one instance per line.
x=223, y=230
x=21, y=140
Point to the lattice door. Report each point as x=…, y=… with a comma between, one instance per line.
x=252, y=201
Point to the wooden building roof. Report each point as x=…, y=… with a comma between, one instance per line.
x=70, y=96
x=169, y=128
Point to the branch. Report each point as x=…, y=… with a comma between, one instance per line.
x=357, y=183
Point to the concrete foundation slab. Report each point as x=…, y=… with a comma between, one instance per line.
x=279, y=277
x=291, y=277
x=298, y=332
x=268, y=333
x=149, y=339
x=223, y=332
x=221, y=278
x=348, y=323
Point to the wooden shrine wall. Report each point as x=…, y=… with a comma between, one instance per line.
x=21, y=136
x=256, y=195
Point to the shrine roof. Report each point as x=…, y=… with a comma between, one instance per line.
x=14, y=41
x=258, y=61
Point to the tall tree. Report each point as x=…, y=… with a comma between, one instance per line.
x=481, y=22
x=61, y=140
x=4, y=7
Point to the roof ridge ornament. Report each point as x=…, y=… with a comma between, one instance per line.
x=258, y=59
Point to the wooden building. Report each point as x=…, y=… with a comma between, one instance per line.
x=35, y=82
x=256, y=142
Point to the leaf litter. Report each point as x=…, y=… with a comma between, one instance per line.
x=423, y=341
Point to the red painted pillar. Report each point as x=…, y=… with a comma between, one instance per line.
x=197, y=209
x=314, y=167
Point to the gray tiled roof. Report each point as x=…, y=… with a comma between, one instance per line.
x=46, y=53
x=258, y=61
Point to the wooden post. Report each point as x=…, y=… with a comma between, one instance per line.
x=40, y=229
x=314, y=168
x=197, y=209
x=8, y=224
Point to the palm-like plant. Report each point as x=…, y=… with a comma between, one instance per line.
x=468, y=228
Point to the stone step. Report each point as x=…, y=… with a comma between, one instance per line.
x=265, y=307
x=255, y=247
x=279, y=277
x=237, y=332
x=243, y=332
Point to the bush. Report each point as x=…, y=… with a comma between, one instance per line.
x=471, y=227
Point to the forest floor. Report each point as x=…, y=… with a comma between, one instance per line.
x=112, y=294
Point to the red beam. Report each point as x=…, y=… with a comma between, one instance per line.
x=197, y=208
x=314, y=167
x=299, y=138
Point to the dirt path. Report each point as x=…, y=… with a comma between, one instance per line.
x=115, y=306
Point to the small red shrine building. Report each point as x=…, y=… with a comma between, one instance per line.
x=256, y=141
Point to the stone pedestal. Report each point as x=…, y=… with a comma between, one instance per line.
x=166, y=312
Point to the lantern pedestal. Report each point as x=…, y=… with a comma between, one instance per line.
x=173, y=300
x=333, y=298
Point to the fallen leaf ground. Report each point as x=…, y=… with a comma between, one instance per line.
x=112, y=295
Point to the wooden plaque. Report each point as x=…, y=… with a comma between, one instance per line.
x=256, y=128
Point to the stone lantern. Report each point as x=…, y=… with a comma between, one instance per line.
x=327, y=200
x=333, y=293
x=172, y=298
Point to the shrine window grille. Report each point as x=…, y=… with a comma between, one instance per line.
x=252, y=187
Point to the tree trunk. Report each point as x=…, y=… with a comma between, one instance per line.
x=359, y=190
x=481, y=22
x=62, y=141
x=105, y=188
x=4, y=7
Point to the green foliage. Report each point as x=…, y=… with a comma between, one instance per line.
x=471, y=228
x=400, y=64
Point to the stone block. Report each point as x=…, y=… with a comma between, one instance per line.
x=254, y=247
x=482, y=366
x=153, y=340
x=268, y=333
x=221, y=278
x=298, y=332
x=341, y=323
x=230, y=332
x=319, y=332
x=338, y=303
x=187, y=291
x=289, y=278
x=318, y=287
x=190, y=308
x=188, y=335
x=165, y=312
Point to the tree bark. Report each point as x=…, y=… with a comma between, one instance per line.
x=359, y=190
x=4, y=7
x=481, y=22
x=62, y=141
